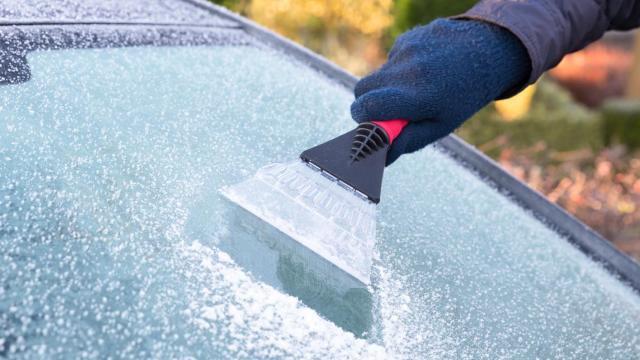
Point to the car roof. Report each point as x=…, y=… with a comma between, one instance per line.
x=161, y=12
x=200, y=13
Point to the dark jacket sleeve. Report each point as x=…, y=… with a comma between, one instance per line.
x=549, y=29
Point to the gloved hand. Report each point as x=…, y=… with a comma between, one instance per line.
x=437, y=76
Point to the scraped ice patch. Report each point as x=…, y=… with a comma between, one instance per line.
x=276, y=259
x=254, y=320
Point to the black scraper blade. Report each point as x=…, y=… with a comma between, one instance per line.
x=356, y=159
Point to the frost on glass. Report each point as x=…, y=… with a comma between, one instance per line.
x=148, y=11
x=114, y=239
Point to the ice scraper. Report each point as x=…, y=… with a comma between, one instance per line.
x=326, y=202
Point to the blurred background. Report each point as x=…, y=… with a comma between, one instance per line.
x=574, y=135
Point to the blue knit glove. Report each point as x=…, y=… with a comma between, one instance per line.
x=437, y=76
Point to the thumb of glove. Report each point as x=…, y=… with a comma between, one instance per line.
x=415, y=136
x=388, y=103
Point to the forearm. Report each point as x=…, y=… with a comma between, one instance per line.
x=549, y=29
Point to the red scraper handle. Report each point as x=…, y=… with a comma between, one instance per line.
x=393, y=128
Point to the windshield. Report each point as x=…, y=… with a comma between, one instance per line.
x=114, y=238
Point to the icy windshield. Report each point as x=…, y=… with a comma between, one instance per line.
x=114, y=239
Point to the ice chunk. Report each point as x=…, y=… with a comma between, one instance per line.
x=322, y=216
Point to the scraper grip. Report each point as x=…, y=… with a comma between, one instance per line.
x=393, y=128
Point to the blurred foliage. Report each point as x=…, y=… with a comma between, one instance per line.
x=558, y=148
x=296, y=17
x=347, y=32
x=600, y=188
x=410, y=13
x=235, y=5
x=518, y=105
x=621, y=122
x=553, y=118
x=355, y=33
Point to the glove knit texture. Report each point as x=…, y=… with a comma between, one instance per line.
x=439, y=75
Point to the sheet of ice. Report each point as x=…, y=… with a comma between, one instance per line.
x=316, y=212
x=110, y=219
x=158, y=11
